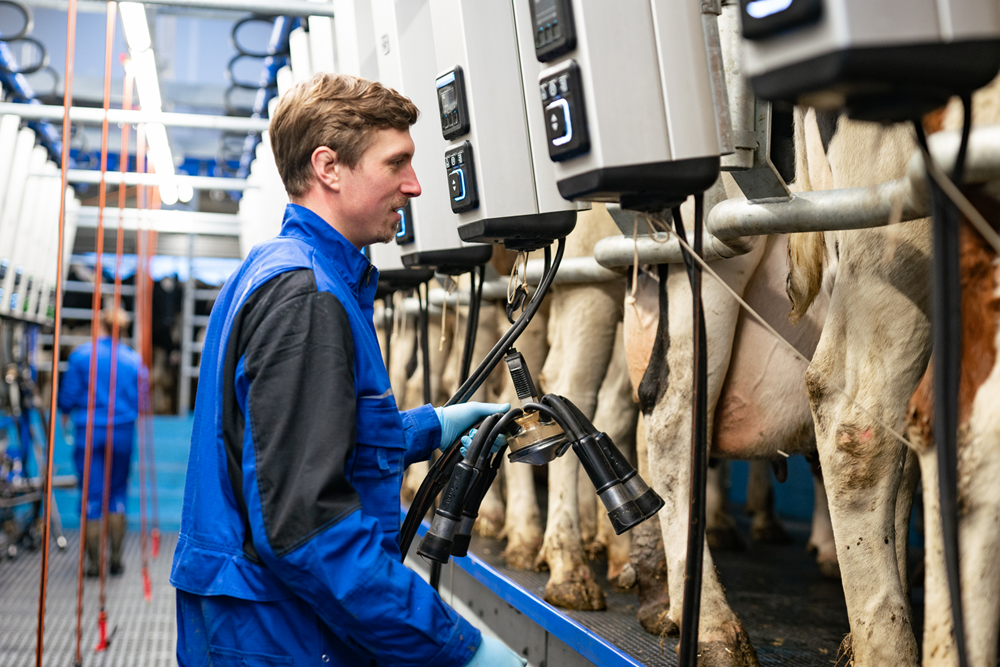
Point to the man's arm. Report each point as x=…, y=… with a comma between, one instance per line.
x=295, y=384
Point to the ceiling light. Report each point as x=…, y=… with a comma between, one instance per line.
x=135, y=25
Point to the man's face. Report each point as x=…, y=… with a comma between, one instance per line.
x=379, y=185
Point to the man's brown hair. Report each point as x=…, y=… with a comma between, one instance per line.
x=339, y=111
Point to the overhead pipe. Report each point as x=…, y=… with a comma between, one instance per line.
x=291, y=8
x=95, y=116
x=733, y=222
x=133, y=178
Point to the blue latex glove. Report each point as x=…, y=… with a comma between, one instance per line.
x=494, y=653
x=457, y=419
x=467, y=442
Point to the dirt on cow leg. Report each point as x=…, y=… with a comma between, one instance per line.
x=731, y=648
x=572, y=583
x=523, y=528
x=621, y=574
x=650, y=565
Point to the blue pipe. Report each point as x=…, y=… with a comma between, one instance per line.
x=21, y=92
x=278, y=44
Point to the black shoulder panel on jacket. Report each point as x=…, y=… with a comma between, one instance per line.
x=300, y=363
x=301, y=444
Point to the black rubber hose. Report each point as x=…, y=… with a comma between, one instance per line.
x=947, y=327
x=569, y=423
x=29, y=20
x=472, y=321
x=484, y=369
x=699, y=450
x=253, y=18
x=43, y=60
x=442, y=468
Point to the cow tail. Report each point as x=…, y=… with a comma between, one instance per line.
x=806, y=253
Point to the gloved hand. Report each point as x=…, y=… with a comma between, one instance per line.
x=457, y=419
x=494, y=653
x=500, y=441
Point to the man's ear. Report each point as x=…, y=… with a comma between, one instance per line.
x=326, y=167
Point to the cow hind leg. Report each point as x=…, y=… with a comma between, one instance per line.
x=720, y=526
x=764, y=524
x=821, y=540
x=648, y=559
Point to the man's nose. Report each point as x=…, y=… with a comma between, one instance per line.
x=410, y=186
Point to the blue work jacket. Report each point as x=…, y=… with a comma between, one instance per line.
x=73, y=388
x=296, y=463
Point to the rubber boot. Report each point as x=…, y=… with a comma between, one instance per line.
x=93, y=544
x=116, y=529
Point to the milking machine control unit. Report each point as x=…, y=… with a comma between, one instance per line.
x=537, y=432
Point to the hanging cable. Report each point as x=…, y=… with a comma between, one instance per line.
x=472, y=322
x=94, y=324
x=699, y=448
x=425, y=345
x=57, y=328
x=154, y=533
x=947, y=372
x=141, y=331
x=109, y=439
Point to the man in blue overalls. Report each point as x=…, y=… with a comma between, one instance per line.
x=73, y=396
x=288, y=549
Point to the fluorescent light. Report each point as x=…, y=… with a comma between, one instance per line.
x=185, y=192
x=136, y=28
x=144, y=70
x=163, y=162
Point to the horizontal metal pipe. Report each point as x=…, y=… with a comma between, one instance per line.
x=732, y=223
x=133, y=178
x=170, y=222
x=94, y=116
x=267, y=7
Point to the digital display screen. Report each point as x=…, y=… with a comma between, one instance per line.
x=447, y=99
x=545, y=12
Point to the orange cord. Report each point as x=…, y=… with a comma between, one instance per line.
x=155, y=532
x=94, y=324
x=109, y=439
x=142, y=330
x=64, y=165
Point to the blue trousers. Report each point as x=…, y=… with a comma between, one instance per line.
x=121, y=460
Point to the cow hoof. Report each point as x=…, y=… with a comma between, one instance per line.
x=622, y=578
x=733, y=649
x=521, y=555
x=577, y=595
x=488, y=526
x=726, y=539
x=829, y=567
x=770, y=532
x=654, y=619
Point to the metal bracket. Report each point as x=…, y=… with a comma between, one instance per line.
x=762, y=181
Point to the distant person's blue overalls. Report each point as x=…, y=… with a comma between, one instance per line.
x=73, y=397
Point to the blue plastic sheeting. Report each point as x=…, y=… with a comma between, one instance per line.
x=591, y=646
x=209, y=270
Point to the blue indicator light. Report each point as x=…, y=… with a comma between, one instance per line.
x=446, y=79
x=759, y=9
x=402, y=223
